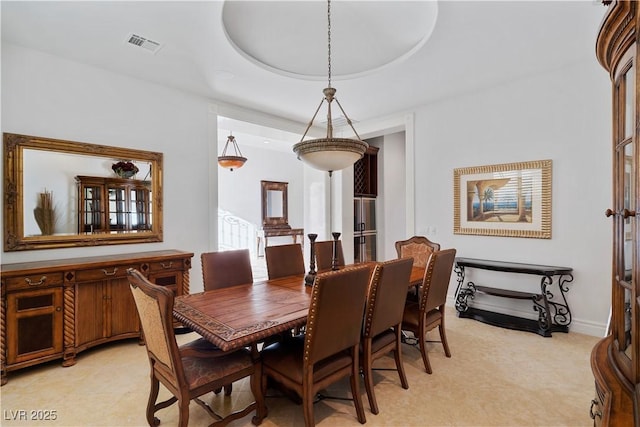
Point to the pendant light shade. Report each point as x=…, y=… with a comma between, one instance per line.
x=231, y=162
x=329, y=153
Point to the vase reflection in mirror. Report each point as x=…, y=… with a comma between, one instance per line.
x=44, y=213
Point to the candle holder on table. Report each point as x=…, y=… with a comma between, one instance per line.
x=311, y=276
x=334, y=259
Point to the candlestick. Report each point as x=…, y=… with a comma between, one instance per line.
x=311, y=276
x=334, y=259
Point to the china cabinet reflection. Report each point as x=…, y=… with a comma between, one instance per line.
x=615, y=360
x=113, y=204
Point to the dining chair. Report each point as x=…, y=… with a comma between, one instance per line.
x=226, y=268
x=382, y=333
x=284, y=260
x=324, y=255
x=223, y=269
x=420, y=317
x=420, y=249
x=417, y=247
x=193, y=369
x=328, y=351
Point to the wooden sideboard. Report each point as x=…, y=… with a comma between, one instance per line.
x=56, y=309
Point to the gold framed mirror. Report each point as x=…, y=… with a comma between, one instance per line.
x=274, y=204
x=46, y=207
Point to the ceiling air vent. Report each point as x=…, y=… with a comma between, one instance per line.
x=143, y=42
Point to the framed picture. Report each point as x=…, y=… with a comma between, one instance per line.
x=506, y=200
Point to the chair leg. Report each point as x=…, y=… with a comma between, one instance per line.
x=307, y=400
x=423, y=349
x=443, y=337
x=151, y=404
x=183, y=415
x=227, y=389
x=368, y=375
x=397, y=355
x=355, y=386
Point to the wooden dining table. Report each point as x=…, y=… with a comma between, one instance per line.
x=239, y=316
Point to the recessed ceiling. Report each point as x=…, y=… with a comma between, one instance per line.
x=293, y=40
x=474, y=46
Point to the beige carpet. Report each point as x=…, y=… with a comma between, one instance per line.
x=495, y=377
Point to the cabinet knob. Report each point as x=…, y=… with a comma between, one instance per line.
x=592, y=414
x=626, y=213
x=166, y=265
x=58, y=308
x=38, y=283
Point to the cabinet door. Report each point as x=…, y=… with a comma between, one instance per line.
x=140, y=209
x=92, y=209
x=34, y=324
x=90, y=316
x=118, y=208
x=121, y=309
x=625, y=198
x=171, y=279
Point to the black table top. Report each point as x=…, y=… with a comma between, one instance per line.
x=513, y=267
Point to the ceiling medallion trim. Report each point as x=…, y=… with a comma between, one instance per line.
x=272, y=67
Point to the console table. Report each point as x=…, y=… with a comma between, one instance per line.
x=553, y=310
x=265, y=233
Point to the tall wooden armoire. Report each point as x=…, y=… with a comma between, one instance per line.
x=615, y=360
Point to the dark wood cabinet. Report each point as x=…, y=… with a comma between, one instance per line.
x=365, y=174
x=113, y=204
x=36, y=327
x=56, y=309
x=104, y=306
x=615, y=360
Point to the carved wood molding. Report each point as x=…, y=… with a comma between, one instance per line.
x=617, y=33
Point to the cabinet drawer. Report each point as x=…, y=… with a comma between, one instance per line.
x=115, y=272
x=597, y=405
x=168, y=265
x=35, y=281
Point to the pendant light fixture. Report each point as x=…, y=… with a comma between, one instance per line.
x=329, y=153
x=231, y=162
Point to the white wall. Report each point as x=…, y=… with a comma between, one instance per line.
x=392, y=194
x=562, y=115
x=43, y=95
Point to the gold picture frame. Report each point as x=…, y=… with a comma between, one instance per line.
x=505, y=200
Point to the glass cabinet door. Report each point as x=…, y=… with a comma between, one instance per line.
x=140, y=214
x=91, y=210
x=118, y=209
x=623, y=316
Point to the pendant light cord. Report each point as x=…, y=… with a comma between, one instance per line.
x=329, y=40
x=329, y=94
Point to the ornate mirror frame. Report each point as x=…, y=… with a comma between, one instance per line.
x=269, y=189
x=14, y=212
